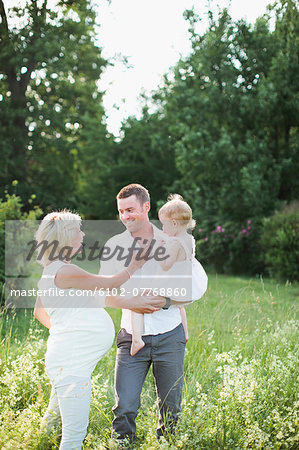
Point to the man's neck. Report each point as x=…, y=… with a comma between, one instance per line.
x=145, y=232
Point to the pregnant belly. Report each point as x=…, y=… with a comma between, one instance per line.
x=76, y=350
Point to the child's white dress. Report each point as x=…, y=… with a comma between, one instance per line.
x=185, y=277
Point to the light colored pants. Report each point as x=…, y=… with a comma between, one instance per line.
x=70, y=402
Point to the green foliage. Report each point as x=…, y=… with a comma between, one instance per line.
x=49, y=69
x=240, y=376
x=243, y=409
x=146, y=156
x=230, y=108
x=231, y=147
x=280, y=243
x=223, y=132
x=12, y=209
x=231, y=249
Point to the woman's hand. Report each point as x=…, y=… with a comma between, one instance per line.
x=143, y=304
x=143, y=255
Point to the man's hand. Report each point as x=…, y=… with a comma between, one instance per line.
x=145, y=310
x=146, y=304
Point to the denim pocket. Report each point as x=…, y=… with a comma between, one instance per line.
x=123, y=338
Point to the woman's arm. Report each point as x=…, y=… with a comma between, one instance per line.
x=72, y=276
x=141, y=304
x=41, y=315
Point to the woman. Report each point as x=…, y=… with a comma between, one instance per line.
x=81, y=331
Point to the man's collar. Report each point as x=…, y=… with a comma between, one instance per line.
x=157, y=233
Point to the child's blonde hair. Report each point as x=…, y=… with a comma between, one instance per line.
x=176, y=208
x=57, y=226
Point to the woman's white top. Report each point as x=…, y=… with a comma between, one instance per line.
x=81, y=330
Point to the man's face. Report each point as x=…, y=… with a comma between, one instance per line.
x=132, y=214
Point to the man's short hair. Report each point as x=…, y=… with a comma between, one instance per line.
x=141, y=192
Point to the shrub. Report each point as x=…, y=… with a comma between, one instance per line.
x=280, y=243
x=231, y=248
x=11, y=209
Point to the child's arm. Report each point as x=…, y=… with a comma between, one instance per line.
x=184, y=322
x=172, y=251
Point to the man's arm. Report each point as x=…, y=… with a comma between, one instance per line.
x=40, y=314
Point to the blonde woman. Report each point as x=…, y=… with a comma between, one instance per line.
x=81, y=331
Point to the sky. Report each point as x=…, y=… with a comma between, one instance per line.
x=153, y=35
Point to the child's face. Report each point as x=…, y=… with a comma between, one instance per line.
x=169, y=226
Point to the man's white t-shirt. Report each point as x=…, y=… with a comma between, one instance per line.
x=153, y=277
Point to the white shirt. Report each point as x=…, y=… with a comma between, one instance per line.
x=150, y=276
x=81, y=332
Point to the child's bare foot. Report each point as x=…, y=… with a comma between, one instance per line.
x=136, y=346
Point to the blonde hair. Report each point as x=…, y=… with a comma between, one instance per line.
x=176, y=208
x=59, y=227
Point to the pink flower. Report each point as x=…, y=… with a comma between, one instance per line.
x=219, y=229
x=249, y=227
x=244, y=231
x=249, y=222
x=206, y=239
x=199, y=230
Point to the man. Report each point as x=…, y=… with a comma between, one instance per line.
x=163, y=335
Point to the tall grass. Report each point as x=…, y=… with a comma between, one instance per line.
x=240, y=386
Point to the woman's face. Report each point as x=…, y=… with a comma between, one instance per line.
x=77, y=238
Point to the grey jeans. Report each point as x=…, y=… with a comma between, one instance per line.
x=166, y=353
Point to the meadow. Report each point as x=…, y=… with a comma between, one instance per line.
x=240, y=388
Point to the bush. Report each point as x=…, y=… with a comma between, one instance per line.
x=11, y=209
x=231, y=248
x=280, y=243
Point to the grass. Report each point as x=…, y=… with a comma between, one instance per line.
x=240, y=375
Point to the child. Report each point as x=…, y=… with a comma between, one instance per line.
x=176, y=219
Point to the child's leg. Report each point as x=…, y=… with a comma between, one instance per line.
x=137, y=330
x=184, y=322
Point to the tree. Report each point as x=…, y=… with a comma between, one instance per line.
x=146, y=156
x=230, y=112
x=49, y=65
x=224, y=105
